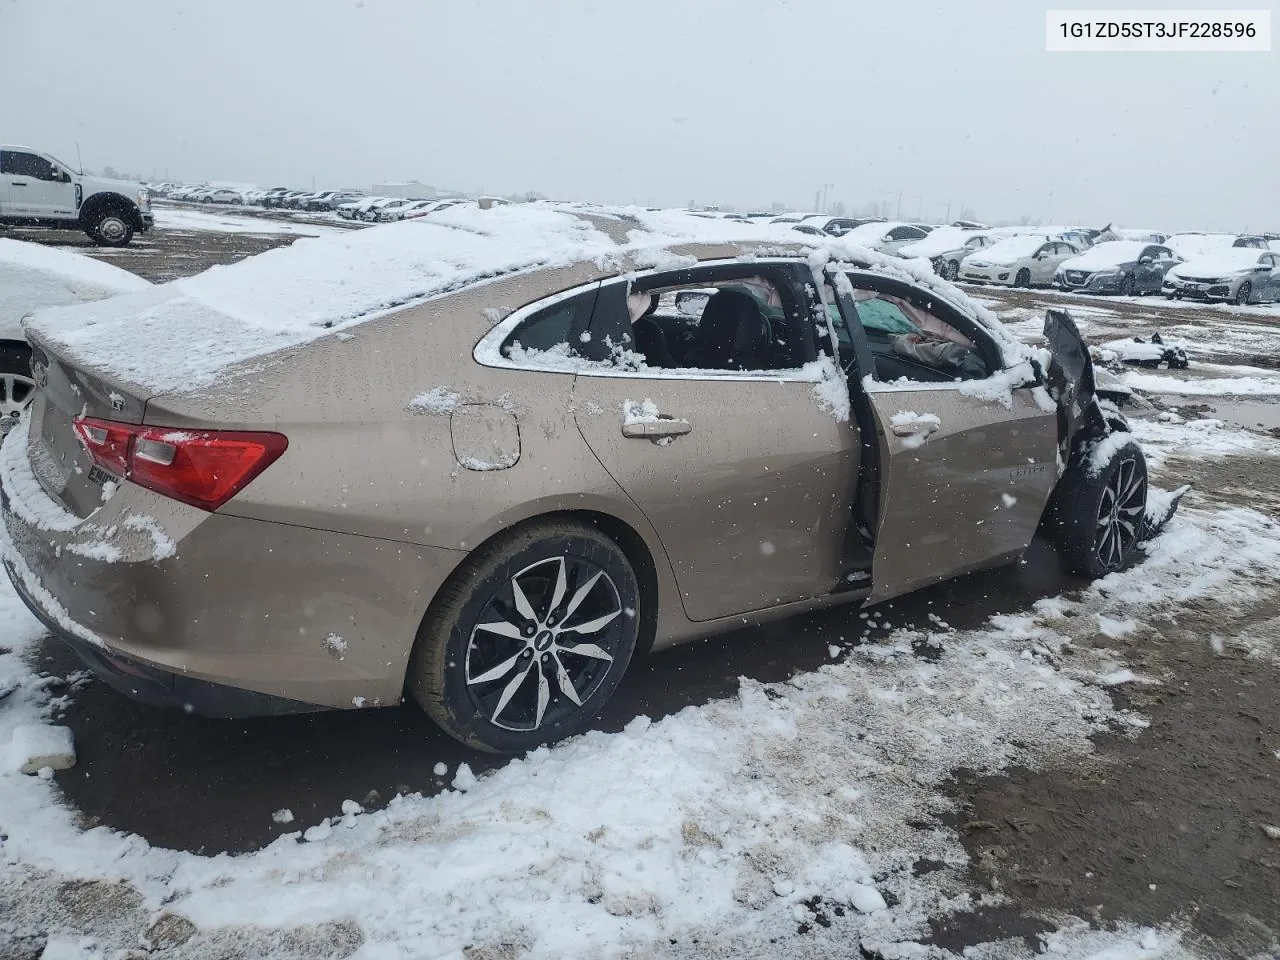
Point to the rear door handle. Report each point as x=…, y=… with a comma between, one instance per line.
x=17, y=183
x=656, y=429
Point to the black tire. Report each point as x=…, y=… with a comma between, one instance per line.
x=532, y=707
x=17, y=386
x=1127, y=286
x=1244, y=293
x=1023, y=278
x=1101, y=507
x=953, y=270
x=112, y=228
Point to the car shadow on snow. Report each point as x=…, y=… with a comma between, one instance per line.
x=211, y=786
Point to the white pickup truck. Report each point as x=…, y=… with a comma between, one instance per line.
x=38, y=190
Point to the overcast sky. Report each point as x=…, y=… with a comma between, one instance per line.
x=739, y=102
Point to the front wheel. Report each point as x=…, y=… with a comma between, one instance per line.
x=1127, y=286
x=112, y=229
x=529, y=639
x=1102, y=506
x=1244, y=293
x=1023, y=279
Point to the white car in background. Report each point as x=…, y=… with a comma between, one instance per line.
x=432, y=206
x=1234, y=274
x=399, y=211
x=885, y=236
x=33, y=276
x=221, y=195
x=945, y=248
x=1026, y=261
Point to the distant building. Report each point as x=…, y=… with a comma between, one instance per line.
x=405, y=188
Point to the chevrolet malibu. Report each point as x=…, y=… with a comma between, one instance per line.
x=481, y=460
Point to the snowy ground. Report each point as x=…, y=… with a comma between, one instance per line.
x=186, y=219
x=815, y=816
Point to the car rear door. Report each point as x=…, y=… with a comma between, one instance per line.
x=966, y=468
x=745, y=475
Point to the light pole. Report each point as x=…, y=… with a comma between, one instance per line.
x=825, y=188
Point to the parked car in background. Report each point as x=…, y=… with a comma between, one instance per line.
x=385, y=208
x=221, y=195
x=432, y=207
x=504, y=575
x=970, y=225
x=1235, y=274
x=1190, y=245
x=335, y=200
x=945, y=248
x=885, y=236
x=391, y=213
x=1126, y=267
x=274, y=196
x=1025, y=261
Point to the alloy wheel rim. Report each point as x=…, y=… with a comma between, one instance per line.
x=1124, y=500
x=544, y=643
x=16, y=394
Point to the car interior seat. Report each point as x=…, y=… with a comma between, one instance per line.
x=732, y=334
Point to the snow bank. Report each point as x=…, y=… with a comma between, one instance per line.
x=1207, y=387
x=33, y=277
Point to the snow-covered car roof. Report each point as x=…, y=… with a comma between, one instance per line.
x=33, y=277
x=1220, y=261
x=1192, y=244
x=940, y=240
x=873, y=232
x=183, y=334
x=1011, y=248
x=1109, y=253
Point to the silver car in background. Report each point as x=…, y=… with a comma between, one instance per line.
x=1235, y=274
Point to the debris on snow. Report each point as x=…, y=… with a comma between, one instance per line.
x=1271, y=831
x=440, y=769
x=32, y=746
x=283, y=815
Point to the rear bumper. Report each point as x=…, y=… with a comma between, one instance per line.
x=160, y=688
x=148, y=221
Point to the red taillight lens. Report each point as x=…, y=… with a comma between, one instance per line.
x=204, y=468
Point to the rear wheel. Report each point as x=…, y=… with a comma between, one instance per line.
x=1244, y=293
x=1102, y=506
x=529, y=639
x=113, y=228
x=17, y=388
x=1023, y=279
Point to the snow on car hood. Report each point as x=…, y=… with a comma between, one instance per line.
x=1111, y=253
x=33, y=277
x=183, y=335
x=1219, y=262
x=1009, y=251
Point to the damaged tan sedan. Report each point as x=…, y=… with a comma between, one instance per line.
x=485, y=460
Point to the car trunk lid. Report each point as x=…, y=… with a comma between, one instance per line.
x=67, y=391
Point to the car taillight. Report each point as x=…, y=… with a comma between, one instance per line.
x=204, y=468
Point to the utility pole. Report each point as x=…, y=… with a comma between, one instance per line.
x=899, y=216
x=825, y=188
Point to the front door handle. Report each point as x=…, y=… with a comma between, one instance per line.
x=919, y=428
x=656, y=429
x=17, y=183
